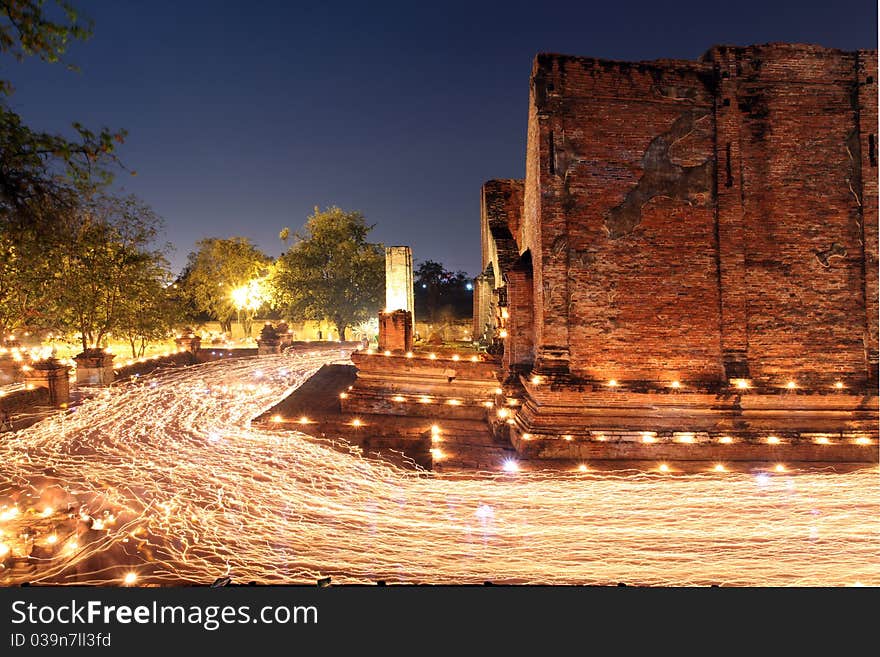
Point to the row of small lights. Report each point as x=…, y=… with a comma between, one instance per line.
x=29, y=386
x=431, y=356
x=649, y=437
x=511, y=465
x=436, y=452
x=740, y=384
x=144, y=359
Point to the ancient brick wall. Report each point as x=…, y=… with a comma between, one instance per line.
x=501, y=203
x=796, y=168
x=696, y=221
x=501, y=221
x=866, y=80
x=519, y=346
x=626, y=210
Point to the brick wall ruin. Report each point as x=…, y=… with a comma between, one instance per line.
x=695, y=250
x=697, y=220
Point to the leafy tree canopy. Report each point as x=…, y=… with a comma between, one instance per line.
x=216, y=269
x=107, y=267
x=441, y=294
x=331, y=271
x=39, y=170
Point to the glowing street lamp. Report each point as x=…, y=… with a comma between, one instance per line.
x=249, y=297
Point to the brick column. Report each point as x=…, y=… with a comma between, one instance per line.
x=399, y=281
x=519, y=347
x=53, y=376
x=483, y=307
x=94, y=367
x=268, y=342
x=189, y=341
x=553, y=353
x=395, y=331
x=10, y=369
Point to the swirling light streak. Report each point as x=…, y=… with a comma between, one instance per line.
x=167, y=482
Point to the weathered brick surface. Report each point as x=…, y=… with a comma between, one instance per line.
x=419, y=386
x=696, y=222
x=700, y=220
x=519, y=346
x=501, y=203
x=798, y=172
x=868, y=155
x=395, y=331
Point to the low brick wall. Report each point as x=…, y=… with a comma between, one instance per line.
x=21, y=399
x=142, y=367
x=563, y=422
x=665, y=448
x=208, y=354
x=421, y=386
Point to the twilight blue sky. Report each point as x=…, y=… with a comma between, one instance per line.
x=245, y=115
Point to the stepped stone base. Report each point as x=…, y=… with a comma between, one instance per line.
x=563, y=421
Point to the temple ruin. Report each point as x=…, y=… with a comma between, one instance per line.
x=689, y=268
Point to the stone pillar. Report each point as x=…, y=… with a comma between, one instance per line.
x=11, y=342
x=268, y=342
x=483, y=308
x=188, y=341
x=395, y=331
x=518, y=317
x=94, y=367
x=399, y=281
x=285, y=335
x=53, y=376
x=10, y=369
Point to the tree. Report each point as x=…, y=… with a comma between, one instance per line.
x=216, y=270
x=28, y=259
x=107, y=266
x=331, y=271
x=151, y=310
x=42, y=175
x=441, y=292
x=39, y=168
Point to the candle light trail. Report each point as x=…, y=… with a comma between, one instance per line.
x=167, y=482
